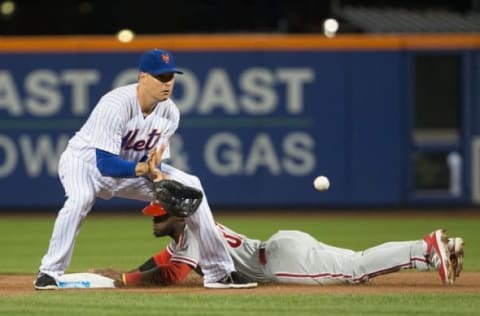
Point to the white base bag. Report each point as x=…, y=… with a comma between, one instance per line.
x=84, y=281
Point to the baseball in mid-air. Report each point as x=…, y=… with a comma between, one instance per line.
x=321, y=183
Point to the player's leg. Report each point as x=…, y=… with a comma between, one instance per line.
x=386, y=245
x=361, y=266
x=296, y=257
x=139, y=189
x=327, y=247
x=215, y=260
x=387, y=258
x=80, y=192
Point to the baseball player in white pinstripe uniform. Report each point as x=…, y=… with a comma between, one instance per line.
x=292, y=257
x=115, y=154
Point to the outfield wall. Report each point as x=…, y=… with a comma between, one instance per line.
x=262, y=115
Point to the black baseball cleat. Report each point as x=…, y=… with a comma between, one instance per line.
x=232, y=281
x=45, y=282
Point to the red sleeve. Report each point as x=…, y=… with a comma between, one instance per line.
x=164, y=274
x=163, y=257
x=174, y=272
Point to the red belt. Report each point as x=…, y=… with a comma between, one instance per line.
x=262, y=256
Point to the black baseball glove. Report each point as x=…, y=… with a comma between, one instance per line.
x=177, y=199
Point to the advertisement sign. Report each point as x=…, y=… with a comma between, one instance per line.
x=256, y=127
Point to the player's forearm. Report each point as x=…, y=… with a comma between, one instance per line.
x=111, y=165
x=161, y=275
x=158, y=259
x=147, y=265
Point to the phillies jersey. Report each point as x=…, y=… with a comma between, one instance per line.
x=244, y=252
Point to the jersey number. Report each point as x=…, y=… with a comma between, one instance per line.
x=234, y=241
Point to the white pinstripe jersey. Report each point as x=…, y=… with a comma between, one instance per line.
x=117, y=125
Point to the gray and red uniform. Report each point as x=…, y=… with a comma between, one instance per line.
x=291, y=256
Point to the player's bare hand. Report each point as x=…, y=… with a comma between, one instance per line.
x=154, y=159
x=155, y=156
x=115, y=275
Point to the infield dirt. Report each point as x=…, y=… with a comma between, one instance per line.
x=404, y=282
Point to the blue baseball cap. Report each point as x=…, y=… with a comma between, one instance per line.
x=157, y=62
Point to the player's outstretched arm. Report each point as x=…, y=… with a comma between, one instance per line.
x=158, y=270
x=112, y=165
x=171, y=273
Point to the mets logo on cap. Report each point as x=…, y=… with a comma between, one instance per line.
x=165, y=58
x=157, y=61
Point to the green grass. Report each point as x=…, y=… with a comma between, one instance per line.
x=124, y=242
x=118, y=303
